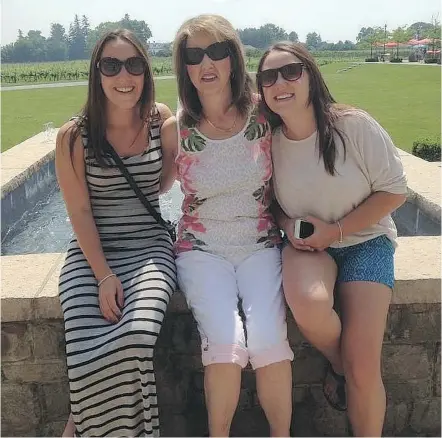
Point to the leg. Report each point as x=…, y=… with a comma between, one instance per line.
x=69, y=429
x=209, y=284
x=222, y=384
x=259, y=283
x=308, y=282
x=364, y=311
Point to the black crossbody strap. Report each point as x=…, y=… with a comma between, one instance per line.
x=136, y=189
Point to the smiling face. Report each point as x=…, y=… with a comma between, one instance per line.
x=285, y=96
x=209, y=77
x=124, y=89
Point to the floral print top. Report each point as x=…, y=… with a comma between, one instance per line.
x=227, y=193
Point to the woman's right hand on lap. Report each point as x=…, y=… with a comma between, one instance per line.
x=111, y=299
x=289, y=230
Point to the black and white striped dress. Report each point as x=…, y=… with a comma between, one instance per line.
x=110, y=367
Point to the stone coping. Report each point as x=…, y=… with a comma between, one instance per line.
x=23, y=160
x=30, y=282
x=424, y=184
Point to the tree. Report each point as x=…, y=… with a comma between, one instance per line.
x=85, y=26
x=313, y=41
x=139, y=27
x=22, y=49
x=264, y=36
x=349, y=45
x=57, y=45
x=419, y=29
x=37, y=44
x=399, y=36
x=77, y=41
x=373, y=36
x=434, y=33
x=7, y=53
x=293, y=37
x=363, y=34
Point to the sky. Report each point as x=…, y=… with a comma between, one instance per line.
x=334, y=20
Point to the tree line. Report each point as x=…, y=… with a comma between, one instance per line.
x=79, y=40
x=77, y=43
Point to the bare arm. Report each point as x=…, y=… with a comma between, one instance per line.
x=169, y=143
x=371, y=211
x=72, y=180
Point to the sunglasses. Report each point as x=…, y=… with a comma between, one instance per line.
x=135, y=66
x=216, y=52
x=290, y=72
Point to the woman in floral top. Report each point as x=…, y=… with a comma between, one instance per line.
x=227, y=245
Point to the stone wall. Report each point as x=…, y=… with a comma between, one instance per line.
x=35, y=398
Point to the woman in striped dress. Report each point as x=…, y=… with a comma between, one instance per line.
x=119, y=272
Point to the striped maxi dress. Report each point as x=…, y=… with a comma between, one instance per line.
x=110, y=366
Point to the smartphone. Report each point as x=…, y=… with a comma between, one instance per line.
x=303, y=229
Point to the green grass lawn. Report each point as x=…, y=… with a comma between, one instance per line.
x=404, y=99
x=25, y=111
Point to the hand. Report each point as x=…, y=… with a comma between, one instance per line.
x=289, y=230
x=110, y=293
x=325, y=234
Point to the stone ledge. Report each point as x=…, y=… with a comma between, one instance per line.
x=25, y=159
x=424, y=184
x=417, y=270
x=30, y=282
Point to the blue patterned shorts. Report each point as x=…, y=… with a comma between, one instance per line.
x=372, y=260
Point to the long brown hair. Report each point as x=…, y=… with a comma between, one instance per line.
x=240, y=81
x=93, y=115
x=324, y=106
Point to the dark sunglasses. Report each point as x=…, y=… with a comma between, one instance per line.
x=290, y=72
x=216, y=52
x=135, y=66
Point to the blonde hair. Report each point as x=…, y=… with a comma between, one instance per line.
x=240, y=81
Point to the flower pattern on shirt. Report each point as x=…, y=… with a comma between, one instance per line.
x=209, y=162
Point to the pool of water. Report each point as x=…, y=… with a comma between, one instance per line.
x=46, y=228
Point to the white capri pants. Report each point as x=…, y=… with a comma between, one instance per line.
x=213, y=286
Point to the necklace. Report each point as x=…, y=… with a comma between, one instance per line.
x=223, y=129
x=138, y=133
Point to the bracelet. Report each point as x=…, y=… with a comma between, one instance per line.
x=105, y=278
x=340, y=231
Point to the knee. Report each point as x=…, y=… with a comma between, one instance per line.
x=214, y=353
x=279, y=352
x=268, y=344
x=362, y=370
x=309, y=304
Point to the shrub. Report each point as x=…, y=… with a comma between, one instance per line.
x=396, y=60
x=427, y=148
x=376, y=59
x=431, y=61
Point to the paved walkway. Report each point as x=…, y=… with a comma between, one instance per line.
x=62, y=84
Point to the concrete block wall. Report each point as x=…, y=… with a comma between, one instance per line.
x=35, y=396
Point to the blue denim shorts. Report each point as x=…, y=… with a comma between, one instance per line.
x=372, y=260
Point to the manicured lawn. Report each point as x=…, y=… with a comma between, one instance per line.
x=25, y=111
x=404, y=99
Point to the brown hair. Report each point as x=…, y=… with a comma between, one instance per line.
x=93, y=114
x=324, y=106
x=240, y=81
